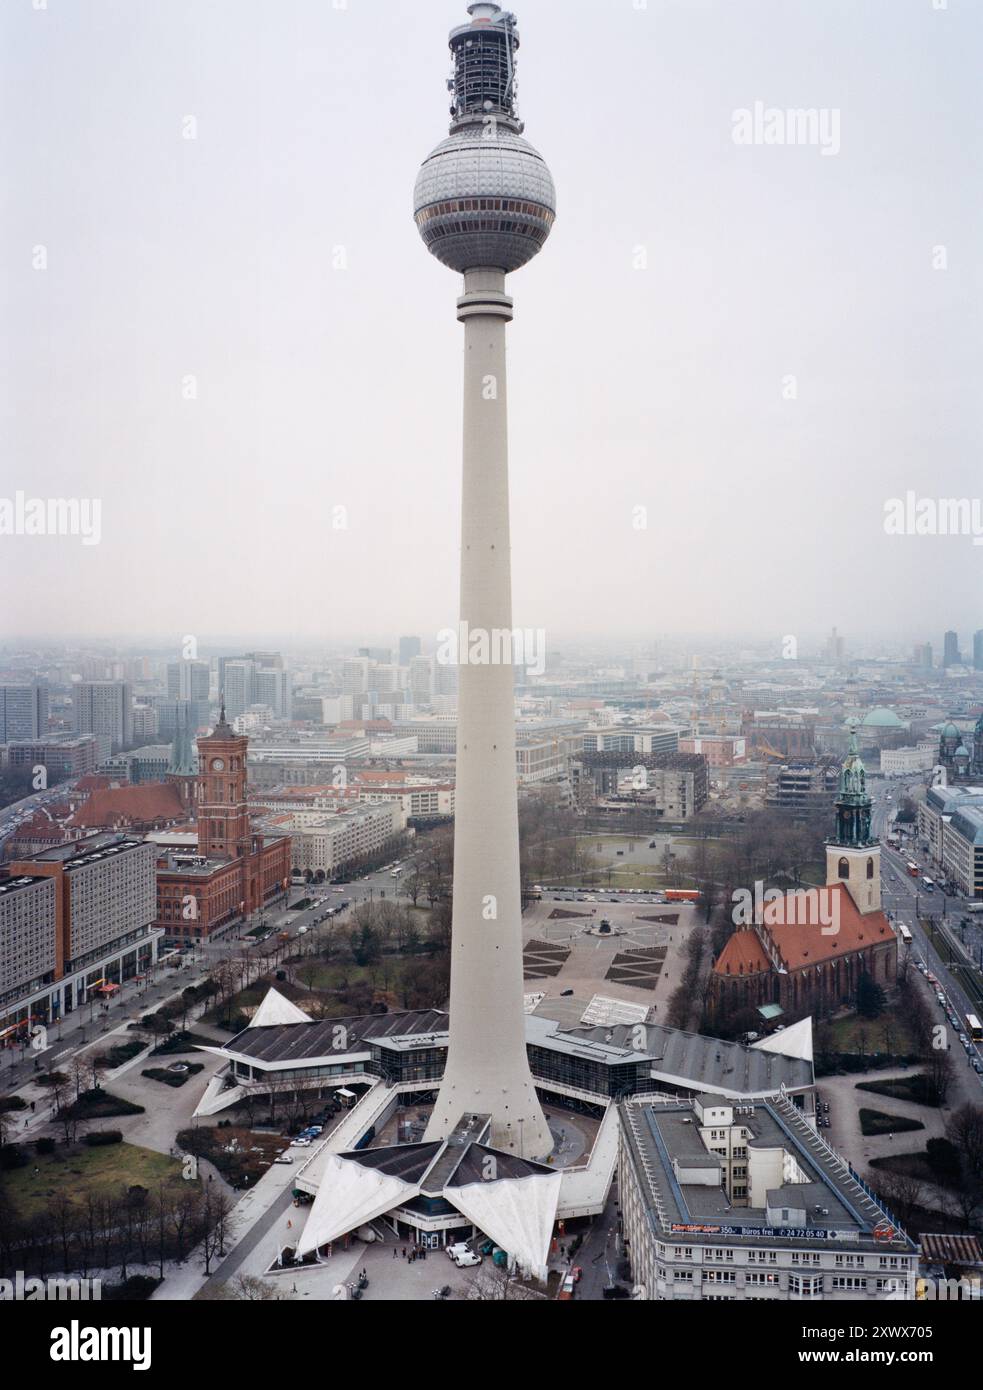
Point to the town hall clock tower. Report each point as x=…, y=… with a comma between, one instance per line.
x=223, y=814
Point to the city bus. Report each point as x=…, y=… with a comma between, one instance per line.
x=928, y=885
x=682, y=895
x=912, y=868
x=904, y=933
x=974, y=1028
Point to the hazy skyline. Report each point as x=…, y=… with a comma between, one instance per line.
x=319, y=387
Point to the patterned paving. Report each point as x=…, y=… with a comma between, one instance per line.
x=543, y=958
x=640, y=967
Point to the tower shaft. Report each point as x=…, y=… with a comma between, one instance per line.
x=487, y=1068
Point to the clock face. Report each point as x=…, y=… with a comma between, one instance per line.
x=218, y=764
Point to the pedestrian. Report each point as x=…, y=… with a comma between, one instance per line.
x=395, y=1252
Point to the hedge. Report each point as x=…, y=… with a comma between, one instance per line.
x=98, y=1137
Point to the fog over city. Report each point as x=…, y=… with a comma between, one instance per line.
x=491, y=670
x=219, y=320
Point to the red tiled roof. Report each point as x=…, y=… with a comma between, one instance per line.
x=743, y=955
x=145, y=804
x=802, y=941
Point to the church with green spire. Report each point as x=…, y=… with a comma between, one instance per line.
x=853, y=853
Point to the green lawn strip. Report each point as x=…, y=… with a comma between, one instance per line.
x=76, y=1172
x=915, y=1088
x=878, y=1122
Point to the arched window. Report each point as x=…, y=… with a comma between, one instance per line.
x=844, y=867
x=870, y=867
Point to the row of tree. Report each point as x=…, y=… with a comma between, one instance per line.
x=99, y=1230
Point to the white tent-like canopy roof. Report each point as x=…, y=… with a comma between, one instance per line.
x=794, y=1041
x=516, y=1213
x=275, y=1010
x=350, y=1196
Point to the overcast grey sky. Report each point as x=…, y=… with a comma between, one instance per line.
x=657, y=387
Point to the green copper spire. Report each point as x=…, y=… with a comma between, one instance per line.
x=853, y=807
x=184, y=762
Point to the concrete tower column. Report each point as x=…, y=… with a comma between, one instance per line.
x=487, y=1069
x=484, y=204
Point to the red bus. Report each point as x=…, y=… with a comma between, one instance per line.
x=912, y=868
x=682, y=895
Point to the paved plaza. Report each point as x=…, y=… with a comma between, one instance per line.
x=640, y=961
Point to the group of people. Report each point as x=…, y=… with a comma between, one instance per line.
x=418, y=1252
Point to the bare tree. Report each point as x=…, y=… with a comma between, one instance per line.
x=244, y=1288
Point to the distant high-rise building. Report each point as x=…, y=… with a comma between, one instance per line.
x=835, y=648
x=355, y=675
x=188, y=680
x=105, y=707
x=445, y=680
x=146, y=722
x=23, y=711
x=421, y=679
x=950, y=650
x=173, y=714
x=409, y=647
x=923, y=655
x=274, y=687
x=237, y=689
x=272, y=661
x=978, y=650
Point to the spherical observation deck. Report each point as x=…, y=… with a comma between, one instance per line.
x=484, y=199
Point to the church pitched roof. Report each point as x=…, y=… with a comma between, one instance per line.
x=822, y=926
x=742, y=955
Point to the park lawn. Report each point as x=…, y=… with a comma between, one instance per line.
x=874, y=1122
x=329, y=976
x=99, y=1170
x=889, y=1033
x=912, y=1088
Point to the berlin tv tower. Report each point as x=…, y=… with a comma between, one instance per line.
x=484, y=205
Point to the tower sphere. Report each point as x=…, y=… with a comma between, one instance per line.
x=484, y=201
x=484, y=198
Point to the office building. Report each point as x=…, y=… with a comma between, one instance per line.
x=105, y=707
x=23, y=711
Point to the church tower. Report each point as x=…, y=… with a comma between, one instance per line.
x=853, y=855
x=224, y=829
x=182, y=771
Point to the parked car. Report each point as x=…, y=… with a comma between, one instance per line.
x=467, y=1260
x=283, y=1158
x=461, y=1248
x=303, y=1141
